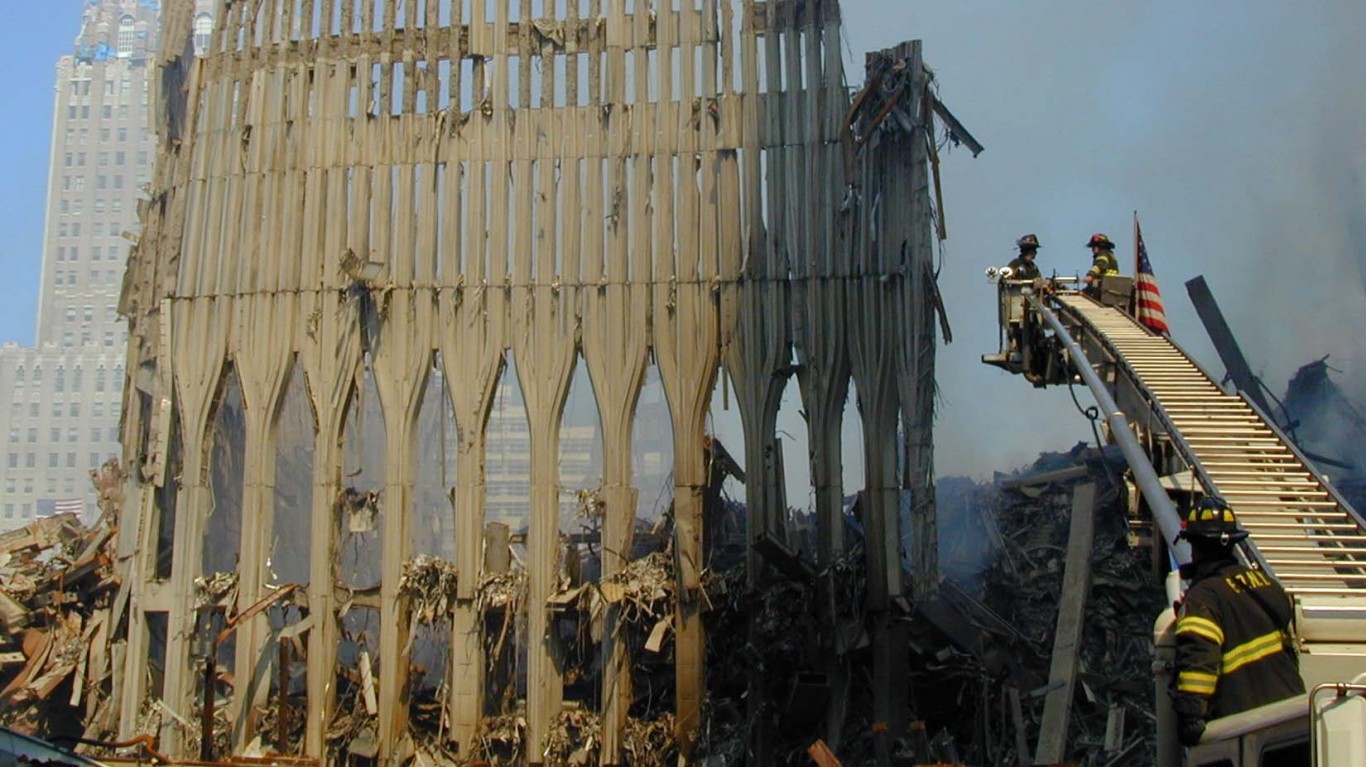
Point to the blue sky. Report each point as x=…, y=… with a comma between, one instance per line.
x=1236, y=129
x=32, y=37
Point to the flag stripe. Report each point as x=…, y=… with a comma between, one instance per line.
x=1148, y=308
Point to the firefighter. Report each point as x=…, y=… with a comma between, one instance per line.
x=1103, y=262
x=1233, y=645
x=1023, y=267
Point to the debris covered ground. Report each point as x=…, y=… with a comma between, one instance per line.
x=56, y=581
x=976, y=650
x=1003, y=547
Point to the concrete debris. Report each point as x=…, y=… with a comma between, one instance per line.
x=429, y=585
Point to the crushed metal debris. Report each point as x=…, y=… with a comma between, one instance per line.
x=429, y=584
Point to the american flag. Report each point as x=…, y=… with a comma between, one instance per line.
x=69, y=506
x=1148, y=299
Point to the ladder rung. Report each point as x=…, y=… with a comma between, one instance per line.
x=1282, y=492
x=1317, y=576
x=1291, y=475
x=1306, y=526
x=1325, y=550
x=1329, y=592
x=1326, y=537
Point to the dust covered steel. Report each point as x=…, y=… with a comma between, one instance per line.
x=351, y=180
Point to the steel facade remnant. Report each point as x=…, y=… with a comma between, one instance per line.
x=349, y=187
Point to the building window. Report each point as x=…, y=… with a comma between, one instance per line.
x=30, y=461
x=71, y=460
x=33, y=410
x=95, y=434
x=109, y=338
x=75, y=410
x=203, y=30
x=14, y=460
x=32, y=436
x=37, y=373
x=71, y=435
x=127, y=37
x=52, y=460
x=97, y=410
x=56, y=435
x=19, y=374
x=94, y=459
x=115, y=206
x=99, y=379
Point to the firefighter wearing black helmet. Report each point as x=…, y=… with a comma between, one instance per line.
x=1233, y=646
x=1023, y=266
x=1103, y=261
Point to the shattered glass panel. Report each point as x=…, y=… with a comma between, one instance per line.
x=431, y=528
x=291, y=553
x=357, y=506
x=227, y=454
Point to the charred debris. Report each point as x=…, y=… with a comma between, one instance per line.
x=983, y=666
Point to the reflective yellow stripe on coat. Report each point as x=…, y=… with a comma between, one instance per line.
x=1196, y=682
x=1202, y=627
x=1253, y=651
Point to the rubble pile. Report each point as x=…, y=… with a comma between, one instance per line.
x=56, y=583
x=650, y=742
x=500, y=740
x=575, y=739
x=989, y=637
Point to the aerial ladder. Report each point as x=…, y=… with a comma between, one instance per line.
x=1184, y=437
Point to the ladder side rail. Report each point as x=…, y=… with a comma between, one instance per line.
x=1247, y=549
x=1178, y=439
x=1309, y=466
x=1164, y=513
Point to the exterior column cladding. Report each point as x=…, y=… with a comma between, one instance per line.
x=338, y=186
